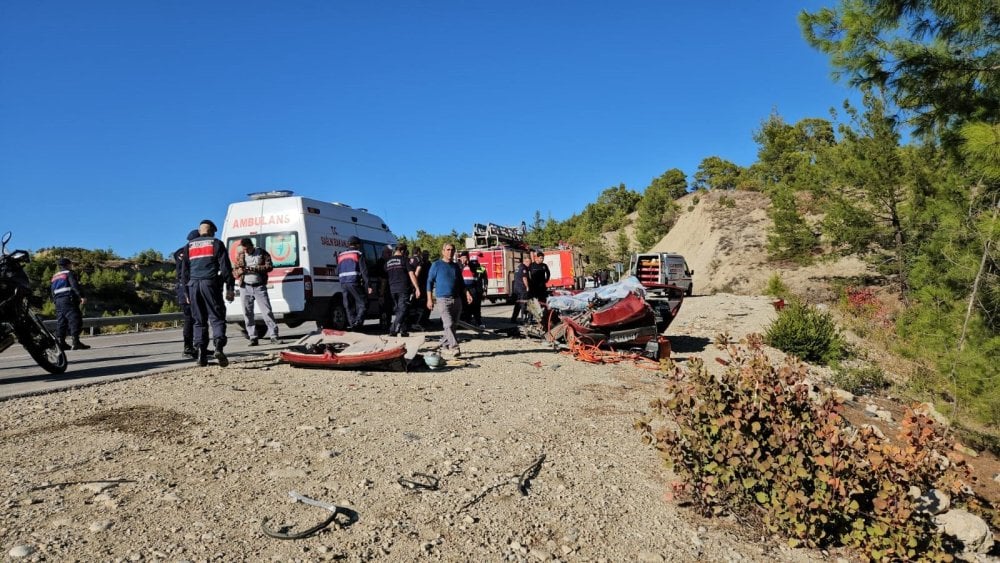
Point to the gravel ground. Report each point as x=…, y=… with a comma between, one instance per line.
x=186, y=465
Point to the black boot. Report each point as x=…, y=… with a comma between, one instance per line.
x=203, y=356
x=220, y=356
x=62, y=344
x=189, y=350
x=77, y=345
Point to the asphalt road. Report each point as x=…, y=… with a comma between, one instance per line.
x=121, y=356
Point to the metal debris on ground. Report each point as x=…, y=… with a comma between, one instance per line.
x=284, y=534
x=420, y=481
x=523, y=482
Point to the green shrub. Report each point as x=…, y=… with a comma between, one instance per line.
x=726, y=201
x=860, y=380
x=752, y=441
x=776, y=287
x=117, y=329
x=807, y=332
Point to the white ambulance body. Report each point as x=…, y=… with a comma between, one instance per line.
x=303, y=236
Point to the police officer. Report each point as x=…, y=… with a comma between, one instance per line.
x=353, y=273
x=210, y=270
x=68, y=299
x=538, y=276
x=521, y=290
x=183, y=277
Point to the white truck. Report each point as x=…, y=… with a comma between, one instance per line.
x=663, y=268
x=303, y=236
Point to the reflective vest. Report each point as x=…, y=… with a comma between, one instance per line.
x=468, y=276
x=61, y=285
x=347, y=266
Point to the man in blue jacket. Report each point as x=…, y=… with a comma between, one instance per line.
x=445, y=284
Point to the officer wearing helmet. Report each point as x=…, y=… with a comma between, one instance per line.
x=209, y=270
x=68, y=299
x=353, y=273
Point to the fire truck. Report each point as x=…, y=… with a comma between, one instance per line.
x=499, y=249
x=566, y=268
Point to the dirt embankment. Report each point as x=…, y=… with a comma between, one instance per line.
x=726, y=245
x=186, y=465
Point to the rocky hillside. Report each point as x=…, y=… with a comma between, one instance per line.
x=723, y=237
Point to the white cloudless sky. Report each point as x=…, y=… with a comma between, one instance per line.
x=123, y=124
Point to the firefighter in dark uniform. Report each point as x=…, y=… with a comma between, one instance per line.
x=352, y=270
x=183, y=277
x=210, y=271
x=68, y=299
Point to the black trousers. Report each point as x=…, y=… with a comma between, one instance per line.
x=401, y=307
x=69, y=321
x=207, y=308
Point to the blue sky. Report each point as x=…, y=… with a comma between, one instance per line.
x=122, y=124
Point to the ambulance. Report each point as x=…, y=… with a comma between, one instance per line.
x=303, y=236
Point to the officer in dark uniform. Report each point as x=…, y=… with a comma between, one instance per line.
x=352, y=270
x=68, y=299
x=183, y=277
x=210, y=270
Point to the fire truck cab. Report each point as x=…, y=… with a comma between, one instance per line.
x=303, y=236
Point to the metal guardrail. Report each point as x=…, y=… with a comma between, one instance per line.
x=136, y=321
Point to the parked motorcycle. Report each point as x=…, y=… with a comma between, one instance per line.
x=18, y=321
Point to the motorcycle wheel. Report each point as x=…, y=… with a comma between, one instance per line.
x=41, y=345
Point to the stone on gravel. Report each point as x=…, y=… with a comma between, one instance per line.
x=19, y=551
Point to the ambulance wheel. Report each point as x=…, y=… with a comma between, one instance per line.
x=338, y=317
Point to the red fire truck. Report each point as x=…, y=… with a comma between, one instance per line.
x=499, y=249
x=566, y=268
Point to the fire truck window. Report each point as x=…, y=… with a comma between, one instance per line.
x=284, y=249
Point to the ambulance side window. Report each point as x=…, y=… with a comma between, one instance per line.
x=283, y=248
x=233, y=246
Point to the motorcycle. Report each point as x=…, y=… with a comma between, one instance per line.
x=18, y=321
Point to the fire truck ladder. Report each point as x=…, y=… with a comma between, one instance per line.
x=491, y=234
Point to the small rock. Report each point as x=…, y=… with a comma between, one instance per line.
x=98, y=487
x=844, y=396
x=100, y=526
x=968, y=528
x=966, y=450
x=928, y=410
x=19, y=551
x=171, y=497
x=469, y=520
x=649, y=557
x=935, y=501
x=540, y=554
x=883, y=415
x=287, y=473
